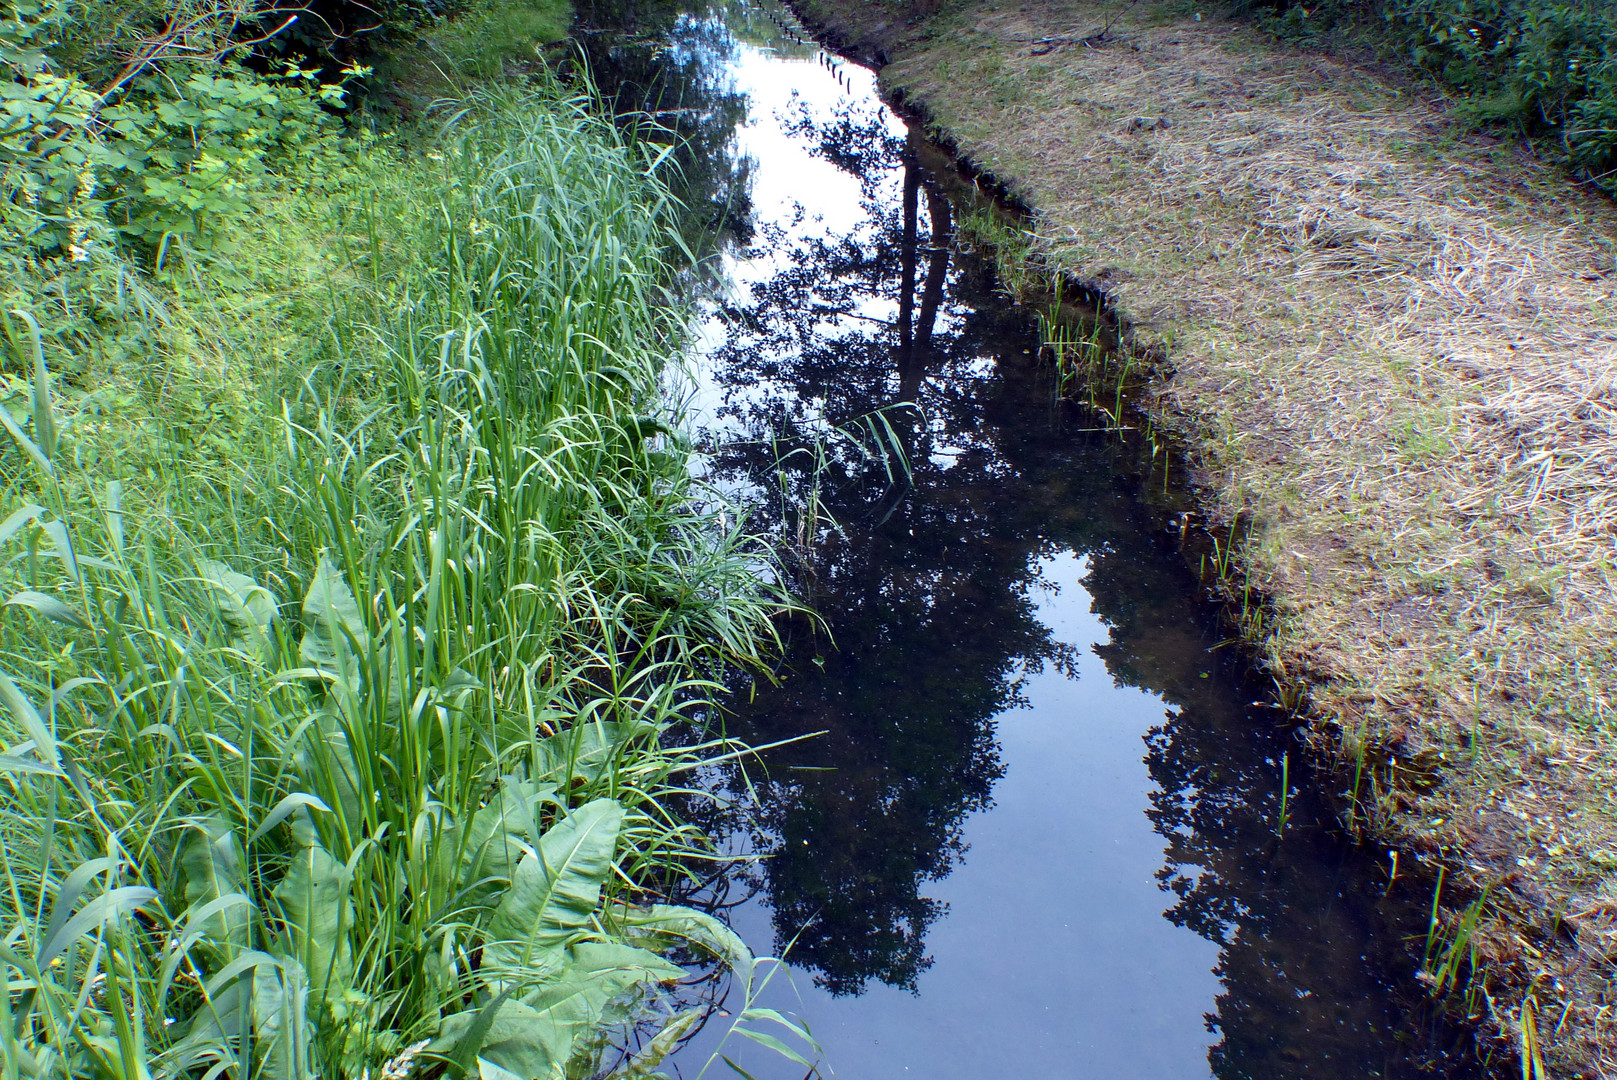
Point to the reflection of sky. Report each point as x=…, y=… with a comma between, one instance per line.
x=1054, y=960
x=791, y=187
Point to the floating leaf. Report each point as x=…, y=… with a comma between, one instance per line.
x=664, y=925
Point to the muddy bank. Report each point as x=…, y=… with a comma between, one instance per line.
x=1390, y=347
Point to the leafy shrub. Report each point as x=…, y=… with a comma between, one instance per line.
x=1546, y=67
x=165, y=153
x=1549, y=65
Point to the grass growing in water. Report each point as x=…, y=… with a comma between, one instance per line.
x=346, y=753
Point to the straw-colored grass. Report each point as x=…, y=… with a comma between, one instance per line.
x=1391, y=349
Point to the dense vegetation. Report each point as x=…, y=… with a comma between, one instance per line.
x=353, y=571
x=1547, y=68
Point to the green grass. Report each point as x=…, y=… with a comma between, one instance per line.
x=334, y=716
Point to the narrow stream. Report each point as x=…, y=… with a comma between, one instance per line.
x=1042, y=833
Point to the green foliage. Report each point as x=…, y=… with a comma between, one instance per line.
x=1549, y=65
x=168, y=148
x=348, y=747
x=1545, y=67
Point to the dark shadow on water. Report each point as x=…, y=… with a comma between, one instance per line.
x=928, y=585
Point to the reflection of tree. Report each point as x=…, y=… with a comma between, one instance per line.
x=926, y=593
x=927, y=597
x=667, y=69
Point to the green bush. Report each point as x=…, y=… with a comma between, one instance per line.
x=1548, y=65
x=172, y=148
x=1547, y=68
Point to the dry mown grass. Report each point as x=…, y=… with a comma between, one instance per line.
x=1395, y=355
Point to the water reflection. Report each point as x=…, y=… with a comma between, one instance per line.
x=1007, y=618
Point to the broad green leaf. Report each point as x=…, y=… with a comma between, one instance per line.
x=98, y=912
x=284, y=808
x=115, y=513
x=470, y=1042
x=61, y=543
x=67, y=895
x=319, y=912
x=581, y=754
x=661, y=926
x=537, y=1036
x=44, y=414
x=29, y=718
x=19, y=517
x=487, y=1070
x=498, y=836
x=246, y=606
x=515, y=1041
x=199, y=923
x=211, y=859
x=28, y=445
x=603, y=990
x=49, y=606
x=335, y=624
x=555, y=889
x=643, y=1065
x=273, y=993
x=12, y=763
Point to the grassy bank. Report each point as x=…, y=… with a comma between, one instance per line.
x=353, y=576
x=1388, y=343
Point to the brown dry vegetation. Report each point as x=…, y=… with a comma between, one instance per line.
x=1391, y=348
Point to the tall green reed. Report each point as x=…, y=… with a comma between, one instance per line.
x=353, y=758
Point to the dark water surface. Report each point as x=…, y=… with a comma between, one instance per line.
x=1038, y=837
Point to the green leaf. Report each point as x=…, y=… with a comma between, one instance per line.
x=336, y=626
x=44, y=415
x=12, y=763
x=67, y=895
x=61, y=542
x=28, y=445
x=580, y=755
x=470, y=1043
x=319, y=913
x=246, y=606
x=29, y=718
x=515, y=1041
x=97, y=913
x=272, y=991
x=498, y=836
x=555, y=889
x=765, y=1039
x=487, y=1070
x=283, y=809
x=211, y=860
x=665, y=1042
x=48, y=606
x=536, y=1037
x=19, y=517
x=661, y=926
